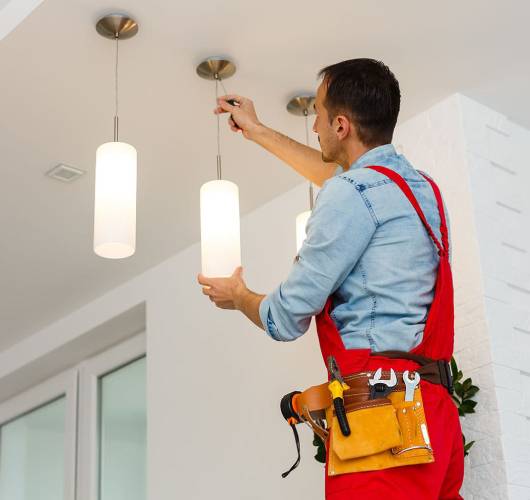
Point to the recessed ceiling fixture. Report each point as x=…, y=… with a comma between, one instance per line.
x=303, y=105
x=65, y=173
x=220, y=225
x=115, y=196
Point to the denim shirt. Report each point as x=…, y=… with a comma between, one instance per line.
x=367, y=248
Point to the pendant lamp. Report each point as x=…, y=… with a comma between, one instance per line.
x=115, y=193
x=220, y=223
x=303, y=105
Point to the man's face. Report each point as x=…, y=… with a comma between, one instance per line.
x=327, y=137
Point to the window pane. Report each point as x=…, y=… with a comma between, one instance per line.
x=32, y=454
x=123, y=433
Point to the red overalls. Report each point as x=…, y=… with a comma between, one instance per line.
x=443, y=478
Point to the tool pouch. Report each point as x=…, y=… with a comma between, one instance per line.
x=374, y=428
x=386, y=432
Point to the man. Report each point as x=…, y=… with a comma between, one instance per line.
x=369, y=265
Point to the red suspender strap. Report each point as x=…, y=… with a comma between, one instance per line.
x=443, y=222
x=442, y=247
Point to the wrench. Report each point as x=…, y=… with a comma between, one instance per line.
x=410, y=384
x=381, y=388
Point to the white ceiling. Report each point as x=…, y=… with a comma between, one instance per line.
x=56, y=102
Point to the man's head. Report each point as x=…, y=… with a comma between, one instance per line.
x=357, y=106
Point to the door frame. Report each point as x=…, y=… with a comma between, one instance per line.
x=62, y=385
x=90, y=372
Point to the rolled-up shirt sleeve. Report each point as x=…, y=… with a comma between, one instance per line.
x=338, y=232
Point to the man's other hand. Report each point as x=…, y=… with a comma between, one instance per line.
x=225, y=293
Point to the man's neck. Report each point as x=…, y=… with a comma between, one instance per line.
x=353, y=153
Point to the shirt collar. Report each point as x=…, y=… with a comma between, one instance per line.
x=374, y=156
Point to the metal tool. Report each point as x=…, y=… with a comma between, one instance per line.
x=380, y=388
x=410, y=385
x=233, y=102
x=337, y=386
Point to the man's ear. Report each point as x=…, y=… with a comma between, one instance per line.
x=343, y=127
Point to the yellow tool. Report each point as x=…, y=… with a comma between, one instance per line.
x=337, y=386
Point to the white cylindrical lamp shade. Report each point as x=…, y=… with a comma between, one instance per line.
x=115, y=201
x=220, y=228
x=301, y=223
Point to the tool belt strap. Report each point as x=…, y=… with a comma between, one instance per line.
x=312, y=403
x=436, y=371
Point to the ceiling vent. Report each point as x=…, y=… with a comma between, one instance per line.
x=65, y=173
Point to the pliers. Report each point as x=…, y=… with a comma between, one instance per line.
x=337, y=386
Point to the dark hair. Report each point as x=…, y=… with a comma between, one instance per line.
x=368, y=93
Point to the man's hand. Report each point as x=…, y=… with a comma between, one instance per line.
x=224, y=292
x=304, y=159
x=232, y=293
x=244, y=115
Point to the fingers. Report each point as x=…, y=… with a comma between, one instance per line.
x=222, y=304
x=203, y=280
x=219, y=110
x=238, y=273
x=210, y=294
x=225, y=106
x=233, y=126
x=239, y=98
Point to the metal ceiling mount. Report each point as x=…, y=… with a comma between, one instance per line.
x=216, y=68
x=302, y=105
x=117, y=26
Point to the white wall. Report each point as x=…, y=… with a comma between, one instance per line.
x=214, y=381
x=434, y=141
x=498, y=155
x=481, y=160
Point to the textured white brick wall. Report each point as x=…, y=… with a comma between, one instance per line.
x=435, y=142
x=498, y=154
x=482, y=163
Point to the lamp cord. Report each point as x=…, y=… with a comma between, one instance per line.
x=219, y=169
x=116, y=91
x=311, y=196
x=218, y=81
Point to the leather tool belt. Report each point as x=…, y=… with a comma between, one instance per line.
x=385, y=432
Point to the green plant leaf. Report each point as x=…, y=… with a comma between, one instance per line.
x=468, y=406
x=459, y=389
x=467, y=448
x=472, y=391
x=464, y=391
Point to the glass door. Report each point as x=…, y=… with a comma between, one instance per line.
x=37, y=442
x=122, y=433
x=112, y=462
